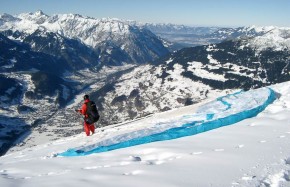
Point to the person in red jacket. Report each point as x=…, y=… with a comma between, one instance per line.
x=87, y=127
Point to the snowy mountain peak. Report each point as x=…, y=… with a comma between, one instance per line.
x=90, y=31
x=258, y=38
x=275, y=38
x=258, y=29
x=7, y=17
x=39, y=13
x=37, y=17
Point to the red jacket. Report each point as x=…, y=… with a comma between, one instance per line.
x=84, y=108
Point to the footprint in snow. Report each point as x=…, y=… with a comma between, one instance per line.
x=160, y=159
x=124, y=163
x=287, y=175
x=19, y=156
x=252, y=124
x=287, y=161
x=92, y=167
x=263, y=141
x=248, y=178
x=136, y=172
x=282, y=136
x=154, y=162
x=219, y=150
x=235, y=183
x=3, y=173
x=240, y=146
x=135, y=158
x=26, y=178
x=96, y=167
x=196, y=153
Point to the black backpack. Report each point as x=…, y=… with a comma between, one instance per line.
x=92, y=113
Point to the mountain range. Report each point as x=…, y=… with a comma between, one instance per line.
x=190, y=74
x=46, y=62
x=98, y=41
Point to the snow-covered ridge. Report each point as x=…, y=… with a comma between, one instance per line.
x=262, y=38
x=225, y=110
x=275, y=38
x=258, y=38
x=258, y=29
x=90, y=31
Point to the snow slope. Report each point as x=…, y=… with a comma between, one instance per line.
x=252, y=152
x=223, y=111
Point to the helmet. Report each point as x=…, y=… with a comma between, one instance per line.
x=86, y=97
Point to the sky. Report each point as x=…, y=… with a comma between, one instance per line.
x=187, y=12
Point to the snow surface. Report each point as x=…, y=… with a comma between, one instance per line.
x=253, y=152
